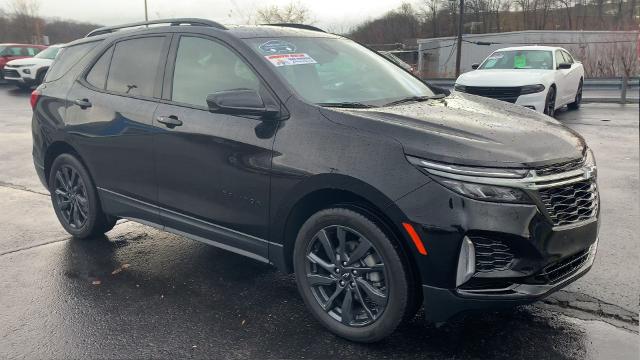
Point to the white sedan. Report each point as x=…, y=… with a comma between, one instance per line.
x=542, y=78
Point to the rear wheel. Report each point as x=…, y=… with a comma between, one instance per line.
x=351, y=275
x=575, y=105
x=550, y=103
x=75, y=199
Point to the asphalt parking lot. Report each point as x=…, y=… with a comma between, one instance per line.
x=139, y=292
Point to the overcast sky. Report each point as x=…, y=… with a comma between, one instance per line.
x=336, y=14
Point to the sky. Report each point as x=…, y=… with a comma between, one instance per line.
x=335, y=15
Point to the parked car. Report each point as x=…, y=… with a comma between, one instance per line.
x=541, y=78
x=398, y=61
x=27, y=72
x=305, y=150
x=10, y=52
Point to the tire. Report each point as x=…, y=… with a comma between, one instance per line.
x=550, y=102
x=575, y=105
x=378, y=277
x=75, y=199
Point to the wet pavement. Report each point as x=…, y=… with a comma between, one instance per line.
x=140, y=292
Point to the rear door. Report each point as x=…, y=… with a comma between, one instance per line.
x=111, y=111
x=213, y=169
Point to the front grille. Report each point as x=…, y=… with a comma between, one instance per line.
x=571, y=203
x=563, y=268
x=508, y=94
x=11, y=73
x=491, y=255
x=560, y=168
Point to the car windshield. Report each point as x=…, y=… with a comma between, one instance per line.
x=329, y=71
x=519, y=59
x=48, y=53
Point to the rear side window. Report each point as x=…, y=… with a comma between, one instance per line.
x=97, y=76
x=134, y=66
x=67, y=58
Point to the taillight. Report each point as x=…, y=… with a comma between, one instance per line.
x=35, y=95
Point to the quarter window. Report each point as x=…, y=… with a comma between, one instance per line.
x=204, y=67
x=67, y=58
x=134, y=66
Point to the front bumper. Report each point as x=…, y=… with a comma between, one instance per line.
x=521, y=256
x=535, y=101
x=16, y=75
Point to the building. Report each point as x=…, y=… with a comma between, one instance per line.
x=601, y=52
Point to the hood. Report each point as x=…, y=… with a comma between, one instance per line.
x=30, y=61
x=504, y=77
x=469, y=130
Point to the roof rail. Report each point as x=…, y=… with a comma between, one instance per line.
x=298, y=26
x=172, y=22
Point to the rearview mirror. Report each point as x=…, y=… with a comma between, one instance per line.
x=240, y=102
x=564, y=66
x=475, y=66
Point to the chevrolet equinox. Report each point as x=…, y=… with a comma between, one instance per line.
x=308, y=151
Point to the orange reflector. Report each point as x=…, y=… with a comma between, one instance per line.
x=416, y=239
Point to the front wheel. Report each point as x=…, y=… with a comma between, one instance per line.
x=75, y=199
x=550, y=102
x=351, y=275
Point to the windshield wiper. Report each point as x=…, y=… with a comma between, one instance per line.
x=416, y=99
x=347, y=104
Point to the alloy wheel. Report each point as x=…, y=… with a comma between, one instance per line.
x=71, y=196
x=551, y=103
x=347, y=276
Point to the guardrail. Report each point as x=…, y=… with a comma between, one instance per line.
x=595, y=89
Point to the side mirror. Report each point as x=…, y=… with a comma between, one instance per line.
x=475, y=66
x=564, y=66
x=240, y=102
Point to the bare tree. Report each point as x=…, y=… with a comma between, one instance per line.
x=25, y=18
x=294, y=12
x=430, y=10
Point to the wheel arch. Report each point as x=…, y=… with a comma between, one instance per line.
x=56, y=149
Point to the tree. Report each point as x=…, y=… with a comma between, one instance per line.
x=25, y=18
x=295, y=13
x=430, y=10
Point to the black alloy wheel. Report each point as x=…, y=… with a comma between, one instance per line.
x=352, y=276
x=70, y=195
x=75, y=199
x=550, y=103
x=346, y=275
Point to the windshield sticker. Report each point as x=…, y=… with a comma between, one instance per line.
x=290, y=59
x=277, y=47
x=519, y=61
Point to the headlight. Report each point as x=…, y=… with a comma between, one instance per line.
x=21, y=66
x=532, y=89
x=590, y=163
x=459, y=87
x=485, y=192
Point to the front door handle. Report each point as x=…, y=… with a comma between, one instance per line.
x=169, y=121
x=83, y=103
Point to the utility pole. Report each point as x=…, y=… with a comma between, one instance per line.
x=459, y=43
x=146, y=13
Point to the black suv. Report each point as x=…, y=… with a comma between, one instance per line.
x=308, y=151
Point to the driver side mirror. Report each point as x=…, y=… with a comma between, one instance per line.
x=475, y=66
x=564, y=66
x=240, y=102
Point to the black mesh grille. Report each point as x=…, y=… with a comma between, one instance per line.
x=560, y=168
x=563, y=268
x=491, y=255
x=509, y=94
x=571, y=203
x=11, y=73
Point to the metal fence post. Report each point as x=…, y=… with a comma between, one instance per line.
x=623, y=92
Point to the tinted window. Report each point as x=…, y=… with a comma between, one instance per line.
x=98, y=74
x=67, y=58
x=567, y=57
x=204, y=67
x=134, y=66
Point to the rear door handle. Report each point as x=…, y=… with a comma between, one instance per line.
x=169, y=121
x=83, y=103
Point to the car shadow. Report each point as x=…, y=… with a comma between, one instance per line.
x=138, y=289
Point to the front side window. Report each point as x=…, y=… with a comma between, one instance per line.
x=204, y=67
x=134, y=66
x=331, y=71
x=519, y=59
x=567, y=57
x=560, y=58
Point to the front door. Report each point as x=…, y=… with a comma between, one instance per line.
x=212, y=169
